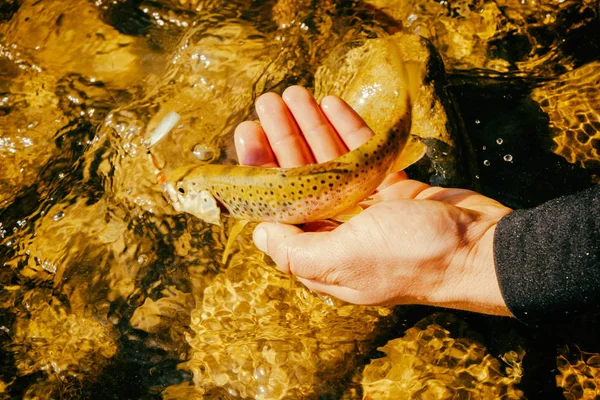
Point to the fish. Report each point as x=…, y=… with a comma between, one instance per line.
x=329, y=190
x=291, y=195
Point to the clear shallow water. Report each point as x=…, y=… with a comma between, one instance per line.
x=108, y=293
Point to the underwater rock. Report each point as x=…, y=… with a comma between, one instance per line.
x=435, y=120
x=572, y=103
x=522, y=37
x=439, y=358
x=29, y=117
x=118, y=60
x=260, y=334
x=54, y=341
x=579, y=374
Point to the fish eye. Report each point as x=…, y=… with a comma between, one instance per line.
x=181, y=190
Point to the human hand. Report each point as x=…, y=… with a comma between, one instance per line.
x=414, y=244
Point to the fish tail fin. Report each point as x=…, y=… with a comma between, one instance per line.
x=413, y=151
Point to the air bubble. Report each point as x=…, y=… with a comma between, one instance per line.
x=259, y=374
x=487, y=163
x=58, y=215
x=508, y=158
x=477, y=121
x=142, y=259
x=499, y=141
x=203, y=153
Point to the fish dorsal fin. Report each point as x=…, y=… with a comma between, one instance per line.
x=413, y=151
x=235, y=231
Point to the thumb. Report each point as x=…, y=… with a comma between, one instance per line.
x=308, y=255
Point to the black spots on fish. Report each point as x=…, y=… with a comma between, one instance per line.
x=356, y=175
x=300, y=192
x=310, y=196
x=271, y=193
x=280, y=187
x=292, y=184
x=181, y=190
x=331, y=185
x=337, y=177
x=357, y=165
x=322, y=182
x=315, y=188
x=346, y=170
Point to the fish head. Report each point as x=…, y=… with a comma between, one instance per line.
x=187, y=196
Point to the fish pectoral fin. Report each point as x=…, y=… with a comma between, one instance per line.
x=235, y=231
x=345, y=215
x=413, y=151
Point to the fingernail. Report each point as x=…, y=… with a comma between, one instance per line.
x=260, y=239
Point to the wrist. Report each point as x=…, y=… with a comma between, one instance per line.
x=470, y=280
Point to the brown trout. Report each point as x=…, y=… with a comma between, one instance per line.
x=312, y=192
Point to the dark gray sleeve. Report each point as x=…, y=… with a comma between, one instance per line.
x=548, y=258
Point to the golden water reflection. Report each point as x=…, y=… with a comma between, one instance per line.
x=106, y=291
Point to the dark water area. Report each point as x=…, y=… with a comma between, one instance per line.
x=510, y=136
x=106, y=293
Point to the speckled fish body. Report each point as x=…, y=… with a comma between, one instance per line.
x=291, y=195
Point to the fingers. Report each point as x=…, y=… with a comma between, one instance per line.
x=308, y=255
x=392, y=179
x=298, y=131
x=322, y=138
x=401, y=189
x=409, y=189
x=252, y=146
x=348, y=124
x=285, y=138
x=341, y=292
x=319, y=260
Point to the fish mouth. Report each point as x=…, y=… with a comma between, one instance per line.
x=173, y=196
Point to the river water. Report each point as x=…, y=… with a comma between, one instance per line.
x=107, y=292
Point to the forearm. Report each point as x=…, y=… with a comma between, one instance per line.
x=548, y=258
